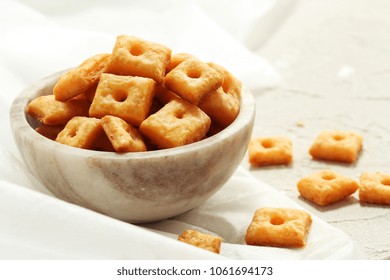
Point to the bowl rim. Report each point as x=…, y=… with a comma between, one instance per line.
x=20, y=125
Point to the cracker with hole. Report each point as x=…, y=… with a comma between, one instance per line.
x=193, y=80
x=176, y=124
x=223, y=105
x=81, y=78
x=279, y=227
x=265, y=151
x=123, y=136
x=126, y=97
x=201, y=240
x=375, y=188
x=337, y=145
x=133, y=56
x=50, y=111
x=326, y=187
x=81, y=132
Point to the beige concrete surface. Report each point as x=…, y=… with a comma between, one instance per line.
x=334, y=59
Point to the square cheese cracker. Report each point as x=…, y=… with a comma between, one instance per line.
x=337, y=145
x=201, y=240
x=326, y=187
x=129, y=98
x=279, y=227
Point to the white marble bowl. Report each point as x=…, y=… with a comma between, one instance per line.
x=135, y=187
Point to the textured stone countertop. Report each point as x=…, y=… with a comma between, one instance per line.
x=334, y=60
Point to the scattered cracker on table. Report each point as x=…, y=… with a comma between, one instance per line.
x=176, y=124
x=123, y=136
x=81, y=78
x=50, y=111
x=279, y=227
x=326, y=187
x=81, y=132
x=270, y=151
x=375, y=188
x=127, y=97
x=223, y=105
x=337, y=145
x=192, y=80
x=201, y=240
x=134, y=56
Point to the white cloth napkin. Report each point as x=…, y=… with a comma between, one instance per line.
x=42, y=37
x=38, y=226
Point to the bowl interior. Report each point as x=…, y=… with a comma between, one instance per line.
x=20, y=119
x=137, y=186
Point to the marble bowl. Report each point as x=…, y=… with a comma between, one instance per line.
x=134, y=187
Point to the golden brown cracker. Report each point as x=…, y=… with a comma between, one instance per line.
x=81, y=78
x=81, y=132
x=223, y=104
x=375, y=188
x=126, y=97
x=50, y=111
x=326, y=187
x=279, y=227
x=265, y=151
x=337, y=145
x=133, y=56
x=176, y=124
x=201, y=240
x=193, y=80
x=123, y=136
